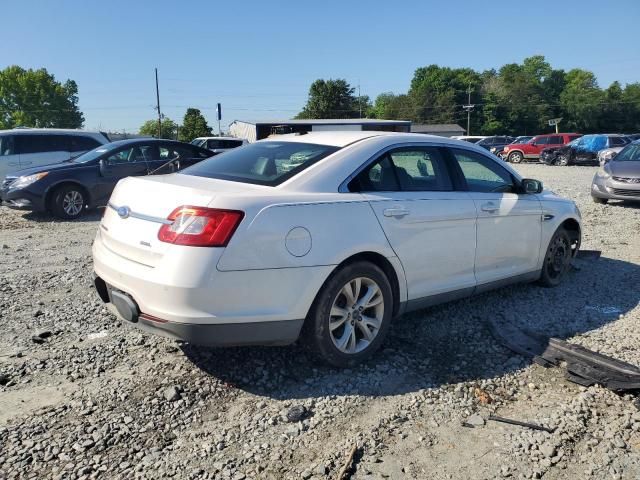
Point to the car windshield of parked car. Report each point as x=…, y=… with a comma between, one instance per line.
x=262, y=163
x=91, y=155
x=630, y=153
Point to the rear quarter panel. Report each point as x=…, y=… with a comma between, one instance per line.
x=337, y=228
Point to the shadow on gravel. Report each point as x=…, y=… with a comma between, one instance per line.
x=446, y=344
x=43, y=217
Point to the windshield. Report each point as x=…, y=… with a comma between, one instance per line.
x=263, y=163
x=592, y=143
x=91, y=154
x=630, y=153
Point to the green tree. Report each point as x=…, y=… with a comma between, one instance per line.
x=582, y=101
x=193, y=125
x=169, y=128
x=333, y=99
x=33, y=98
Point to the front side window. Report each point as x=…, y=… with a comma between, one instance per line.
x=263, y=163
x=483, y=174
x=128, y=155
x=617, y=141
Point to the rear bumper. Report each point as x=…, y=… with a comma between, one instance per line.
x=196, y=303
x=282, y=332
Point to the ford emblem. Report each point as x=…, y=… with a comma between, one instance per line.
x=124, y=212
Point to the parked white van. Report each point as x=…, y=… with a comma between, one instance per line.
x=32, y=147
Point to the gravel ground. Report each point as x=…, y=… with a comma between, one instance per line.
x=82, y=396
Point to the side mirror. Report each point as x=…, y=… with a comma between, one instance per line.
x=104, y=167
x=529, y=185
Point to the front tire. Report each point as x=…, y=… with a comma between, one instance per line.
x=68, y=202
x=515, y=157
x=562, y=160
x=557, y=260
x=351, y=315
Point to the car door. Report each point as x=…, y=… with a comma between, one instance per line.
x=9, y=158
x=125, y=162
x=429, y=224
x=509, y=224
x=537, y=146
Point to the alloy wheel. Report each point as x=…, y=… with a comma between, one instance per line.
x=72, y=203
x=356, y=315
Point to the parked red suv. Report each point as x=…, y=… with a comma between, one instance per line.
x=518, y=152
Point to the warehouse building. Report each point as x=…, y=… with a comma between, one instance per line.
x=442, y=130
x=253, y=131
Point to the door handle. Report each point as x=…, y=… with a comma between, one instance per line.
x=489, y=207
x=395, y=212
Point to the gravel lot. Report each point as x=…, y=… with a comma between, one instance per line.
x=82, y=396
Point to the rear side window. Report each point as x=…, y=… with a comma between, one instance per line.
x=262, y=163
x=7, y=145
x=82, y=144
x=556, y=140
x=421, y=169
x=542, y=141
x=413, y=169
x=483, y=174
x=27, y=144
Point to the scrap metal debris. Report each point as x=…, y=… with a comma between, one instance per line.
x=521, y=424
x=583, y=366
x=348, y=463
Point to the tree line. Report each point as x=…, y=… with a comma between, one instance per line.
x=193, y=125
x=516, y=99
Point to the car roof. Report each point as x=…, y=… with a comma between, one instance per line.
x=52, y=131
x=219, y=138
x=134, y=141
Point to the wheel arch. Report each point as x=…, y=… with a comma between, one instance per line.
x=572, y=226
x=395, y=278
x=55, y=187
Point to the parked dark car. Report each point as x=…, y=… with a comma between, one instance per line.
x=583, y=150
x=68, y=189
x=495, y=144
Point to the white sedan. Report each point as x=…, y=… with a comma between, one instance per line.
x=328, y=237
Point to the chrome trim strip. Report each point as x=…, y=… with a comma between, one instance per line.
x=141, y=216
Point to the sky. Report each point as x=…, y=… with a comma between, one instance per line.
x=258, y=58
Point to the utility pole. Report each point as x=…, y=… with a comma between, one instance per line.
x=158, y=107
x=468, y=107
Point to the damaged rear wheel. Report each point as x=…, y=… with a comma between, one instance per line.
x=557, y=260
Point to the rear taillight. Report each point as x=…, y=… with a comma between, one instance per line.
x=200, y=227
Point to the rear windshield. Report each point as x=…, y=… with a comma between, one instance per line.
x=263, y=163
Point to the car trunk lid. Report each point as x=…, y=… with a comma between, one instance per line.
x=140, y=205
